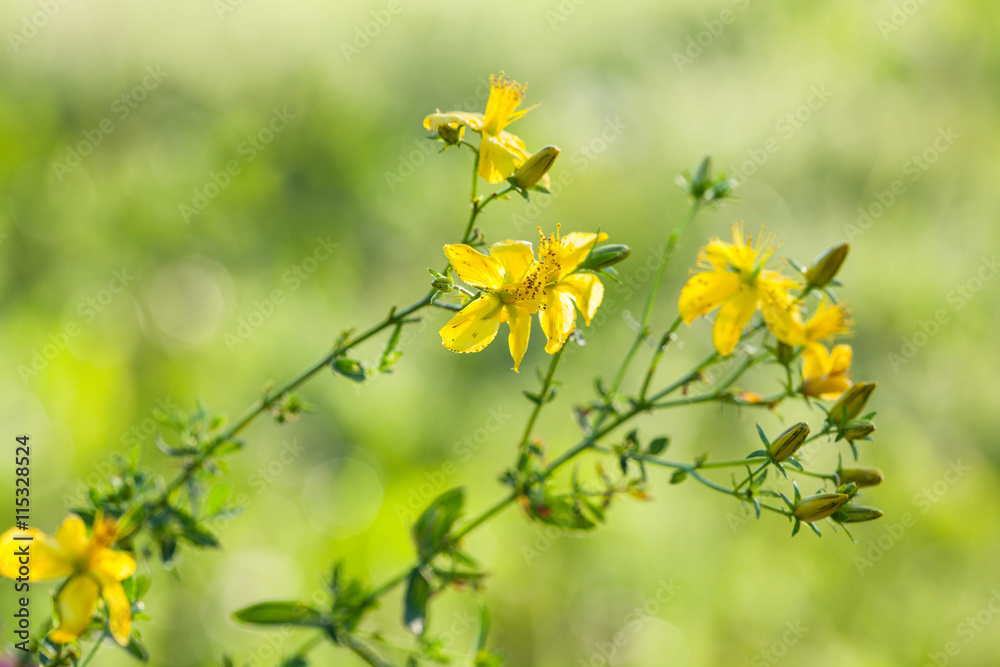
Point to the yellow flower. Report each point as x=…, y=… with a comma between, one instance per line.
x=826, y=375
x=828, y=321
x=92, y=567
x=500, y=152
x=565, y=287
x=737, y=281
x=511, y=284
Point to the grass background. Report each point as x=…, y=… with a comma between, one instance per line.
x=887, y=82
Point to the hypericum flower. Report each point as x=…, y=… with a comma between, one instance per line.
x=828, y=321
x=511, y=284
x=500, y=152
x=737, y=281
x=93, y=568
x=565, y=286
x=826, y=375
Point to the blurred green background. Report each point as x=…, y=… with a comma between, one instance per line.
x=874, y=122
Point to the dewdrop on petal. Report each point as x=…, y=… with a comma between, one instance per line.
x=851, y=403
x=788, y=442
x=825, y=267
x=819, y=506
x=861, y=476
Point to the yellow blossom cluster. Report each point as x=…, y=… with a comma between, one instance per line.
x=736, y=281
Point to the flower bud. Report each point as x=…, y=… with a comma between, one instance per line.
x=860, y=476
x=856, y=514
x=819, y=506
x=605, y=256
x=788, y=442
x=825, y=267
x=858, y=429
x=851, y=403
x=451, y=133
x=442, y=283
x=784, y=353
x=534, y=168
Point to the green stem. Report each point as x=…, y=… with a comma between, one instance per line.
x=660, y=349
x=753, y=474
x=668, y=250
x=542, y=396
x=647, y=313
x=93, y=650
x=394, y=317
x=364, y=652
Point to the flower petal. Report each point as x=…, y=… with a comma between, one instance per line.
x=827, y=321
x=499, y=159
x=734, y=314
x=781, y=313
x=558, y=319
x=474, y=267
x=516, y=257
x=72, y=534
x=705, y=291
x=114, y=565
x=119, y=611
x=436, y=120
x=840, y=359
x=48, y=560
x=575, y=247
x=519, y=320
x=76, y=604
x=475, y=326
x=587, y=291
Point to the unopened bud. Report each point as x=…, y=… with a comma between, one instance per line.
x=861, y=476
x=784, y=353
x=605, y=256
x=442, y=283
x=825, y=267
x=856, y=514
x=535, y=168
x=851, y=403
x=788, y=442
x=451, y=133
x=859, y=429
x=819, y=506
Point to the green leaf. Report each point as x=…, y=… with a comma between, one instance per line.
x=162, y=445
x=193, y=532
x=430, y=531
x=280, y=613
x=390, y=355
x=136, y=649
x=484, y=628
x=678, y=476
x=352, y=369
x=658, y=446
x=418, y=592
x=216, y=499
x=564, y=513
